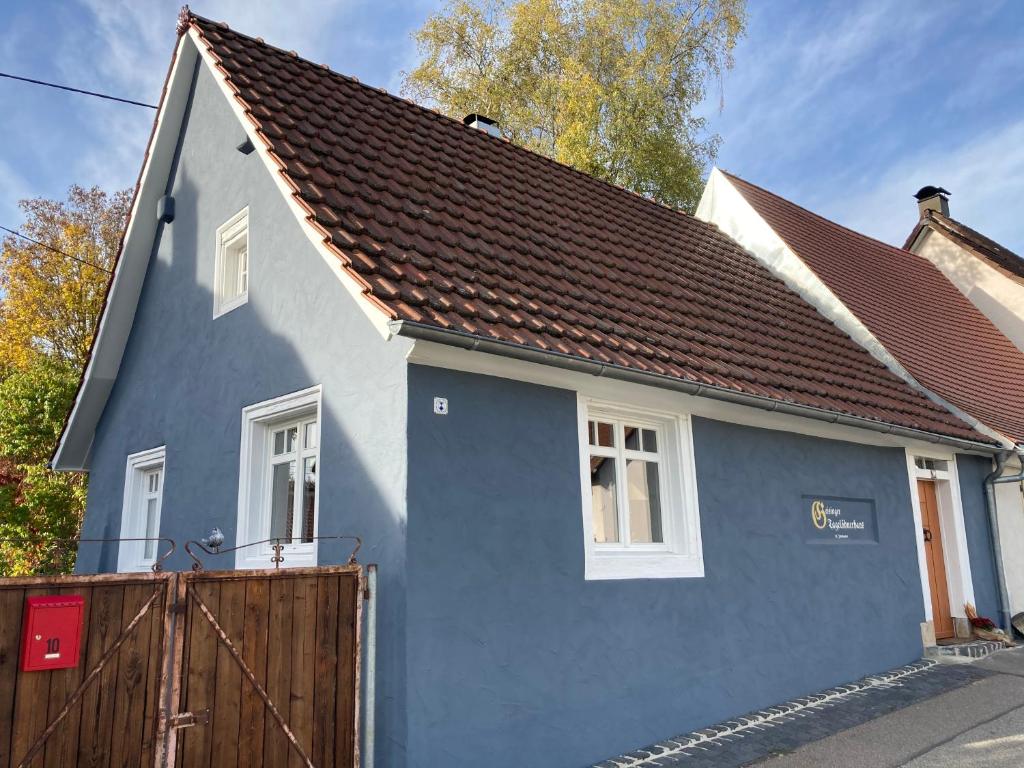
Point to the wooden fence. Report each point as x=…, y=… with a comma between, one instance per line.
x=222, y=668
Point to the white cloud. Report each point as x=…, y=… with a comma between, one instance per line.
x=849, y=108
x=985, y=176
x=809, y=58
x=127, y=45
x=16, y=187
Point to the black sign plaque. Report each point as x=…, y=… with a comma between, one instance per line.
x=834, y=520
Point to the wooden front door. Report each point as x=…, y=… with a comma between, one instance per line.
x=932, y=533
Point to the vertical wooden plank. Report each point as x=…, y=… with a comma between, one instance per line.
x=251, y=718
x=158, y=658
x=31, y=704
x=201, y=674
x=325, y=690
x=345, y=739
x=98, y=700
x=300, y=717
x=132, y=677
x=62, y=746
x=225, y=719
x=12, y=601
x=167, y=748
x=279, y=668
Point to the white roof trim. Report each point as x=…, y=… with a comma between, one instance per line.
x=919, y=238
x=726, y=207
x=376, y=314
x=130, y=269
x=74, y=448
x=652, y=395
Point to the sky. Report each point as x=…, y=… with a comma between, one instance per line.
x=846, y=107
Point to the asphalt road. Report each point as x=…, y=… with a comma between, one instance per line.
x=980, y=725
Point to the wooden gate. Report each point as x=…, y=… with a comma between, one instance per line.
x=271, y=663
x=104, y=711
x=220, y=668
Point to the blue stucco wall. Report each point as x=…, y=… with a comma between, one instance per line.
x=512, y=655
x=972, y=471
x=496, y=641
x=185, y=378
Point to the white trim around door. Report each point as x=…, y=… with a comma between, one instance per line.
x=940, y=468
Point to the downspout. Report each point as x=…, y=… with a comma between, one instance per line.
x=369, y=733
x=993, y=518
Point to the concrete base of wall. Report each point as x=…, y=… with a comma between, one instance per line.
x=927, y=634
x=961, y=629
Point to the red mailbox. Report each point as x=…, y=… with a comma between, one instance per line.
x=52, y=632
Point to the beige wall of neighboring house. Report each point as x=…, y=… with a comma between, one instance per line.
x=1000, y=297
x=1010, y=503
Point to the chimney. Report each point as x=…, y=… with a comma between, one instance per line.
x=482, y=123
x=932, y=199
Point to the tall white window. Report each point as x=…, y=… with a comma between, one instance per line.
x=640, y=515
x=140, y=514
x=278, y=479
x=291, y=475
x=231, y=278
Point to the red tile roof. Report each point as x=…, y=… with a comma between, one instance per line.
x=920, y=317
x=448, y=227
x=1003, y=259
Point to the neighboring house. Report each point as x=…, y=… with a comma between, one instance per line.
x=912, y=318
x=988, y=274
x=620, y=481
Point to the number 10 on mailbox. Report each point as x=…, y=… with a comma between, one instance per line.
x=52, y=632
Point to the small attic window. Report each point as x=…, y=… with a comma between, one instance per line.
x=231, y=278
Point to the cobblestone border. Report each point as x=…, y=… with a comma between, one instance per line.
x=650, y=757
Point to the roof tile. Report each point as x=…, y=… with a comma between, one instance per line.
x=920, y=317
x=453, y=228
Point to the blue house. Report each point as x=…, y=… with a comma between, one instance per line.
x=620, y=481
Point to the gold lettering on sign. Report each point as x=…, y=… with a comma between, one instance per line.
x=818, y=516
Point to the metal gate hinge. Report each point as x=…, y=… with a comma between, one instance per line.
x=188, y=719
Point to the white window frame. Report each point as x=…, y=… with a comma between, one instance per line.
x=131, y=555
x=227, y=234
x=681, y=554
x=253, y=507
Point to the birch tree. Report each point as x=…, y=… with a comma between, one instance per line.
x=607, y=86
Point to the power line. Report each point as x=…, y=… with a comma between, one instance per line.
x=57, y=250
x=77, y=90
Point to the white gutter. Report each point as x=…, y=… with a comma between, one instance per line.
x=572, y=362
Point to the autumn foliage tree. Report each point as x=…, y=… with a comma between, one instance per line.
x=50, y=303
x=36, y=504
x=607, y=86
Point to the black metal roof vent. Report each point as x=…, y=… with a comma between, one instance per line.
x=925, y=192
x=482, y=123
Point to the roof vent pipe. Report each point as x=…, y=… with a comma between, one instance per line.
x=932, y=199
x=482, y=123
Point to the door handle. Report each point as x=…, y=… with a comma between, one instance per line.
x=927, y=535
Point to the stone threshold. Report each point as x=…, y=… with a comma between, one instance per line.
x=964, y=652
